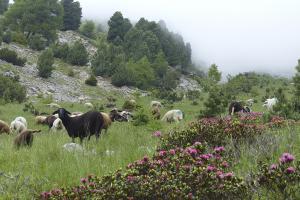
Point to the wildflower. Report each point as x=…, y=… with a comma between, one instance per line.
x=228, y=175
x=273, y=167
x=83, y=180
x=145, y=159
x=172, y=152
x=130, y=178
x=210, y=168
x=197, y=144
x=191, y=151
x=157, y=134
x=225, y=164
x=286, y=158
x=290, y=170
x=219, y=149
x=162, y=153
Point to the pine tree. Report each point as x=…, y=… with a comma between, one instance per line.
x=45, y=64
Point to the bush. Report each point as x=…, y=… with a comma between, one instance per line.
x=60, y=51
x=19, y=38
x=11, y=57
x=11, y=90
x=71, y=73
x=6, y=37
x=140, y=118
x=191, y=173
x=92, y=81
x=37, y=42
x=129, y=105
x=282, y=179
x=217, y=131
x=45, y=63
x=77, y=54
x=88, y=29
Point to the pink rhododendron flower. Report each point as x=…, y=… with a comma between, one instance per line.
x=210, y=168
x=286, y=158
x=172, y=151
x=273, y=166
x=162, y=153
x=290, y=170
x=157, y=134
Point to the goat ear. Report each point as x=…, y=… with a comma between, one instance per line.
x=68, y=112
x=55, y=112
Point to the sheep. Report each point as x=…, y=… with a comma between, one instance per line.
x=82, y=126
x=17, y=126
x=120, y=116
x=173, y=115
x=25, y=138
x=57, y=125
x=21, y=119
x=269, y=103
x=40, y=119
x=250, y=102
x=155, y=104
x=89, y=105
x=54, y=105
x=107, y=121
x=236, y=106
x=156, y=113
x=4, y=128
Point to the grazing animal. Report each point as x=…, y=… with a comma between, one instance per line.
x=82, y=126
x=4, y=128
x=236, y=106
x=54, y=105
x=57, y=125
x=269, y=103
x=50, y=120
x=17, y=126
x=173, y=116
x=120, y=116
x=40, y=119
x=21, y=119
x=107, y=121
x=25, y=138
x=89, y=105
x=155, y=104
x=156, y=113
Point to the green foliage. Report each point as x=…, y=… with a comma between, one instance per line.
x=92, y=81
x=160, y=65
x=72, y=14
x=216, y=103
x=170, y=80
x=107, y=59
x=140, y=118
x=88, y=29
x=139, y=74
x=129, y=105
x=11, y=57
x=32, y=17
x=6, y=37
x=37, y=42
x=118, y=27
x=45, y=64
x=193, y=95
x=77, y=54
x=3, y=6
x=19, y=38
x=296, y=97
x=71, y=72
x=11, y=90
x=60, y=50
x=214, y=74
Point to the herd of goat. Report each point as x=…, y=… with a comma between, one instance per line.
x=84, y=125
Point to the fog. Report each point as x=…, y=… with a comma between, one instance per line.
x=237, y=35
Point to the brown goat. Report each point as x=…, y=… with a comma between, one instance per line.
x=107, y=121
x=4, y=128
x=156, y=113
x=25, y=138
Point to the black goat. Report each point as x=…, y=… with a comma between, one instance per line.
x=237, y=107
x=82, y=126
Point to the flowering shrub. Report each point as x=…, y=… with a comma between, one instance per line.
x=189, y=173
x=215, y=131
x=282, y=178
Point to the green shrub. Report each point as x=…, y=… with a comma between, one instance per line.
x=11, y=90
x=37, y=42
x=282, y=179
x=45, y=63
x=19, y=38
x=92, y=81
x=77, y=54
x=71, y=72
x=60, y=50
x=190, y=173
x=11, y=57
x=6, y=37
x=88, y=29
x=129, y=105
x=140, y=118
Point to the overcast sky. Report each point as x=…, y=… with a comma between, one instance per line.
x=237, y=35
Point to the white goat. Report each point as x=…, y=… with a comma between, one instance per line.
x=269, y=103
x=173, y=116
